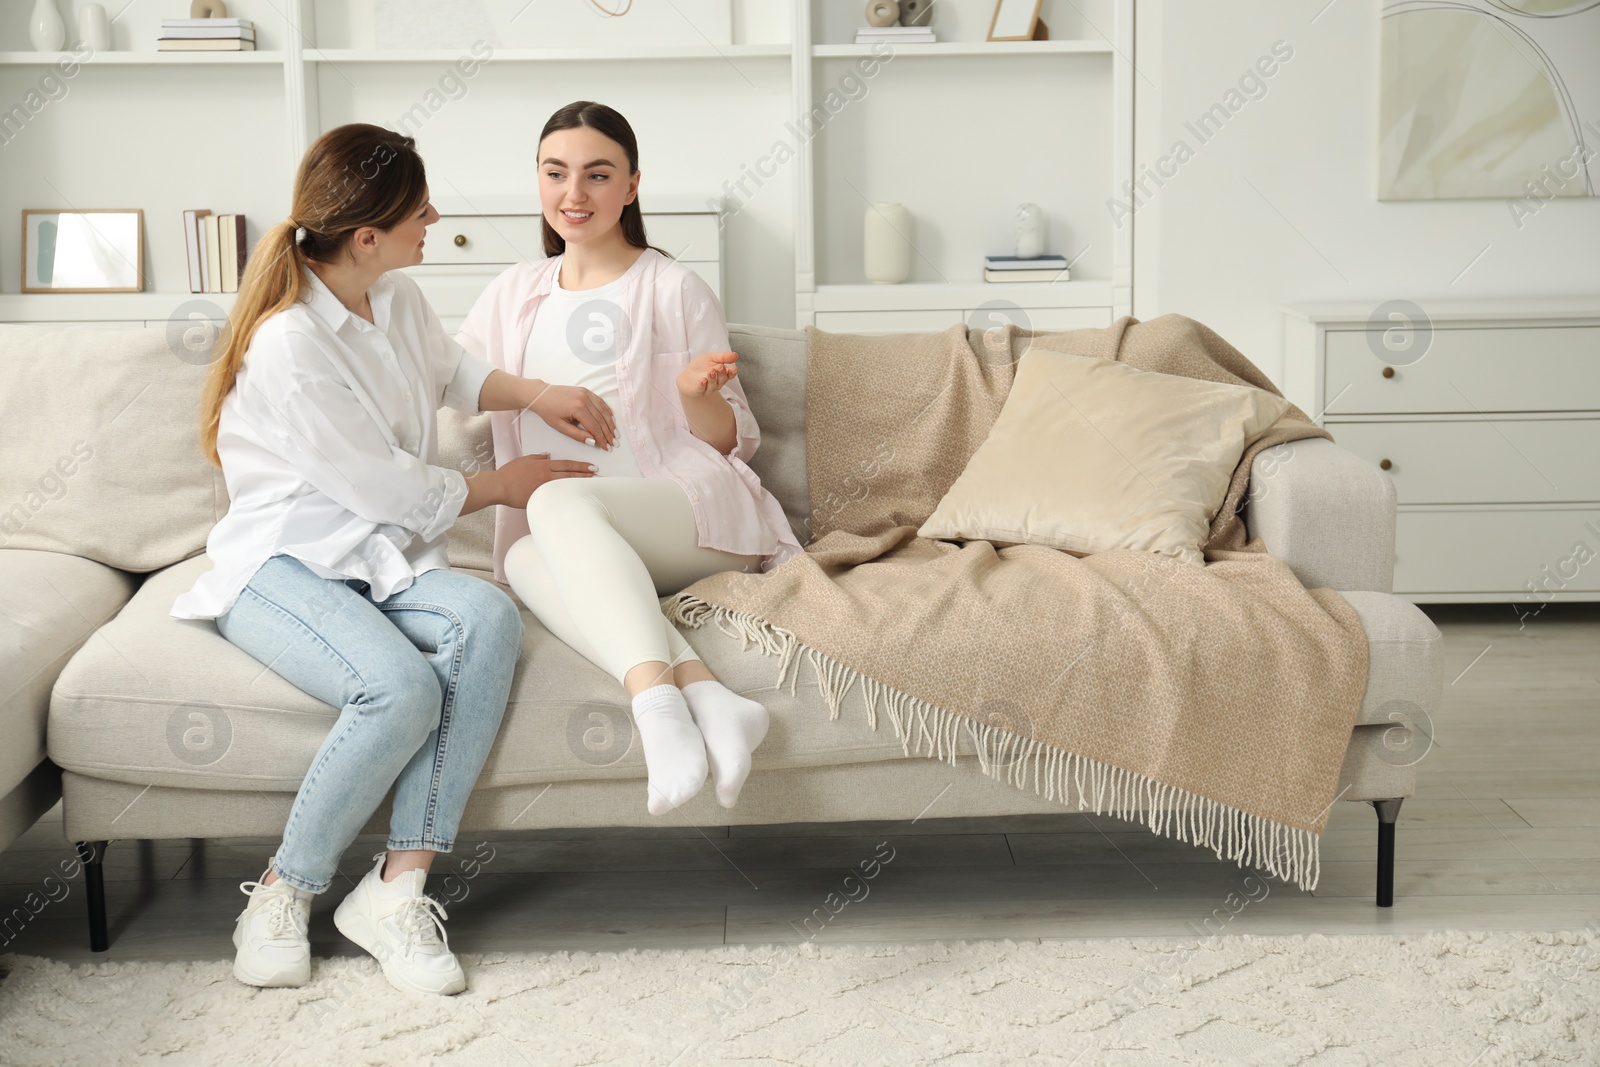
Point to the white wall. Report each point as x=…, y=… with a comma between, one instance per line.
x=1210, y=246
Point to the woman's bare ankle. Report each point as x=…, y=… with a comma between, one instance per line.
x=690, y=671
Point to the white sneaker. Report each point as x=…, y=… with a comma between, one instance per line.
x=273, y=949
x=403, y=929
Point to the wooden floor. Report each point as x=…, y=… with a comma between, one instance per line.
x=1504, y=833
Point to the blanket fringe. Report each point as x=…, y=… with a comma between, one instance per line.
x=924, y=729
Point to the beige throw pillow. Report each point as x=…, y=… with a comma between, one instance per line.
x=1091, y=454
x=102, y=445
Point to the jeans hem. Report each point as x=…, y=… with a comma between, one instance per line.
x=421, y=844
x=300, y=883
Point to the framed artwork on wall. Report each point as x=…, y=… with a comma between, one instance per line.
x=1489, y=99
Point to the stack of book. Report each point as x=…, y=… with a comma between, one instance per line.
x=1031, y=269
x=217, y=251
x=895, y=35
x=207, y=35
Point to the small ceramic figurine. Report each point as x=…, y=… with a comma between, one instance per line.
x=882, y=12
x=916, y=12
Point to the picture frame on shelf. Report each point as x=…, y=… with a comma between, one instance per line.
x=85, y=250
x=1018, y=20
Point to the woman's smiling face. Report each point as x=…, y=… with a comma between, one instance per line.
x=584, y=183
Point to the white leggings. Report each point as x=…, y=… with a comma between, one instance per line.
x=600, y=553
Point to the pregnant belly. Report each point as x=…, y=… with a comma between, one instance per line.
x=539, y=436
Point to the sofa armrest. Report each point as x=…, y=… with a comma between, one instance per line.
x=1326, y=512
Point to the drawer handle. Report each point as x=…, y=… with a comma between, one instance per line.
x=1384, y=464
x=1388, y=372
x=461, y=242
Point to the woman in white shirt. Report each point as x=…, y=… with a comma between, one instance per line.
x=676, y=500
x=330, y=566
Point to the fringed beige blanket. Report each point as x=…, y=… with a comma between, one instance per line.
x=1212, y=703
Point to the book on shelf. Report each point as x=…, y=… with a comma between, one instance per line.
x=217, y=251
x=233, y=251
x=200, y=33
x=213, y=255
x=195, y=242
x=242, y=24
x=918, y=35
x=229, y=251
x=205, y=252
x=1024, y=262
x=1052, y=274
x=218, y=44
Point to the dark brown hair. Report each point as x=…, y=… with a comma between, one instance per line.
x=353, y=176
x=607, y=121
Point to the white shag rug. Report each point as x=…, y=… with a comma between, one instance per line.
x=1456, y=998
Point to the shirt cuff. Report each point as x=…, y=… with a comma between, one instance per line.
x=439, y=511
x=464, y=389
x=747, y=434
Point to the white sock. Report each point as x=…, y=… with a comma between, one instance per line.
x=674, y=751
x=732, y=726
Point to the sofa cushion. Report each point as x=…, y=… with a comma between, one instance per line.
x=1090, y=454
x=171, y=702
x=158, y=700
x=53, y=603
x=772, y=369
x=102, y=446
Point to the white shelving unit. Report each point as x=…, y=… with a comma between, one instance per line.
x=144, y=59
x=961, y=131
x=829, y=301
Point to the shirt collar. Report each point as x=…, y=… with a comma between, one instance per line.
x=331, y=309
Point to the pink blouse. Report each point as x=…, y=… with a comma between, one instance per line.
x=668, y=315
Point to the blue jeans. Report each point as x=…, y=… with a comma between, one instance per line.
x=421, y=679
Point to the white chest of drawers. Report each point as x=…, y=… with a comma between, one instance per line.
x=475, y=240
x=1486, y=415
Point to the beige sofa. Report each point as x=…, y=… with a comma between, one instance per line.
x=161, y=729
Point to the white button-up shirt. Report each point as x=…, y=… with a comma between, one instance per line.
x=329, y=445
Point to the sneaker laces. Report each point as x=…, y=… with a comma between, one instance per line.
x=421, y=920
x=278, y=902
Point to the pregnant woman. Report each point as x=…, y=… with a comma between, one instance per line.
x=642, y=339
x=330, y=568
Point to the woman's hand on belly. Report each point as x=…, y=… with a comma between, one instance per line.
x=576, y=412
x=521, y=476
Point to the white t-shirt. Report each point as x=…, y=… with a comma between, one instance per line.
x=575, y=340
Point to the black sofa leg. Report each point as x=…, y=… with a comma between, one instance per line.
x=92, y=854
x=1388, y=811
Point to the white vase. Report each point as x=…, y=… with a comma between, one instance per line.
x=93, y=28
x=1030, y=231
x=886, y=239
x=45, y=28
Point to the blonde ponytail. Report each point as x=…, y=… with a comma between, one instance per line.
x=353, y=176
x=272, y=282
